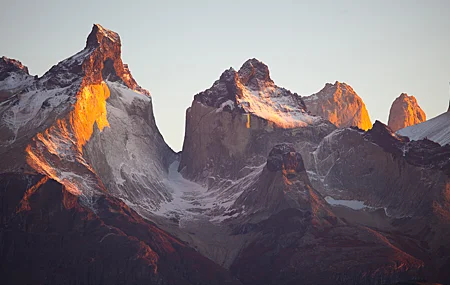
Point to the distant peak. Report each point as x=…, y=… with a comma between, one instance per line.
x=405, y=111
x=11, y=65
x=253, y=71
x=99, y=34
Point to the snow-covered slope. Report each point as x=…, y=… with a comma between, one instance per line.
x=436, y=129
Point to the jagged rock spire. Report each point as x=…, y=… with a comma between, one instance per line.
x=100, y=34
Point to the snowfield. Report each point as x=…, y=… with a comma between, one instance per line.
x=353, y=204
x=436, y=129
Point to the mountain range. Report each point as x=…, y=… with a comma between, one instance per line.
x=270, y=187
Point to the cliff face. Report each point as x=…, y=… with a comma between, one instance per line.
x=233, y=125
x=339, y=104
x=405, y=112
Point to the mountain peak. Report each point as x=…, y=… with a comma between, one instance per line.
x=253, y=72
x=252, y=91
x=100, y=35
x=100, y=60
x=338, y=86
x=339, y=104
x=405, y=112
x=12, y=65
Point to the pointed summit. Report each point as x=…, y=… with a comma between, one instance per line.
x=405, y=112
x=254, y=72
x=99, y=34
x=100, y=60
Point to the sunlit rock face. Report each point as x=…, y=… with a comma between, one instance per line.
x=232, y=126
x=49, y=121
x=339, y=104
x=405, y=112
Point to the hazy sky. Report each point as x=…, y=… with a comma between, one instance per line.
x=176, y=49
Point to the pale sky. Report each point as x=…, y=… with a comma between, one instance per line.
x=176, y=49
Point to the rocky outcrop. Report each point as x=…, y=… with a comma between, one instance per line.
x=9, y=65
x=282, y=184
x=405, y=112
x=339, y=104
x=14, y=77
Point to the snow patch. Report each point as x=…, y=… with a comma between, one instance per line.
x=228, y=103
x=126, y=94
x=29, y=108
x=353, y=204
x=276, y=105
